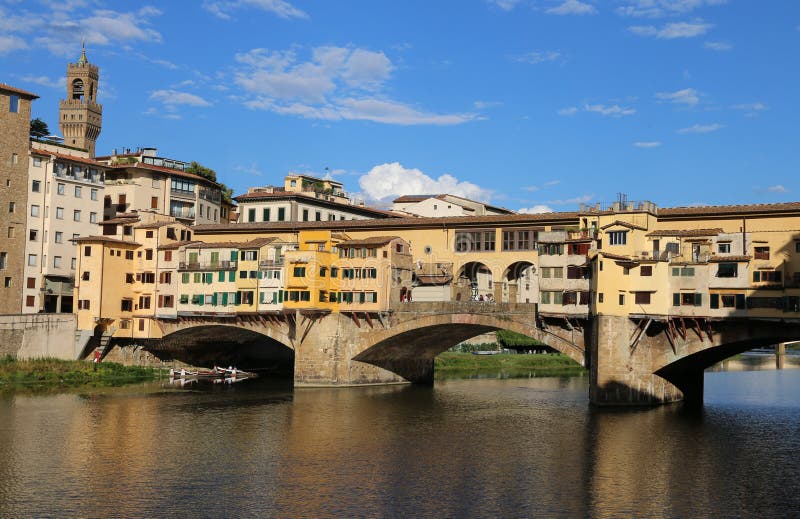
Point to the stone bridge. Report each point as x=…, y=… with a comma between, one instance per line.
x=639, y=360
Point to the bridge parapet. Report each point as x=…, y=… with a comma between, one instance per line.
x=464, y=307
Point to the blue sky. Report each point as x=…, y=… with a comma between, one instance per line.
x=529, y=104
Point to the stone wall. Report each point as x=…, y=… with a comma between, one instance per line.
x=38, y=335
x=14, y=143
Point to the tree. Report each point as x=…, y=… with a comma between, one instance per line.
x=39, y=129
x=198, y=169
x=209, y=174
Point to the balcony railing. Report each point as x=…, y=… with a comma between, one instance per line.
x=270, y=263
x=761, y=255
x=198, y=266
x=180, y=193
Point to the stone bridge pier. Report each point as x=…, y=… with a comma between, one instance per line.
x=649, y=360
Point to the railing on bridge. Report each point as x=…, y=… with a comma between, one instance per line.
x=465, y=307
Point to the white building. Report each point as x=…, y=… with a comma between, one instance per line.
x=444, y=205
x=65, y=201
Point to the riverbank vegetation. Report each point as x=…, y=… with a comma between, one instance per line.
x=452, y=364
x=65, y=373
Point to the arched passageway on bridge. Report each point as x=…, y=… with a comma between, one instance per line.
x=474, y=282
x=520, y=284
x=227, y=345
x=411, y=353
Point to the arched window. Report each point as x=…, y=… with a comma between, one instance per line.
x=77, y=89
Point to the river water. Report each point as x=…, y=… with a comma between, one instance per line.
x=529, y=447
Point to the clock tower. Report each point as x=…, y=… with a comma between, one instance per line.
x=80, y=117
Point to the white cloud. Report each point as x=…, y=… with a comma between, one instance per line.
x=45, y=81
x=549, y=183
x=482, y=105
x=172, y=98
x=687, y=96
x=538, y=56
x=571, y=110
x=659, y=8
x=393, y=180
x=251, y=169
x=281, y=8
x=61, y=29
x=582, y=199
x=701, y=128
x=672, y=31
x=777, y=189
x=612, y=111
x=336, y=83
x=505, y=5
x=751, y=109
x=572, y=7
x=647, y=144
x=719, y=46
x=536, y=209
x=11, y=43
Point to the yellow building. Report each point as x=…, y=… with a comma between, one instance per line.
x=630, y=259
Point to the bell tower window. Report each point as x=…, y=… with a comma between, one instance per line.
x=77, y=89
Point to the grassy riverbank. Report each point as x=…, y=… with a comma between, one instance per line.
x=54, y=372
x=455, y=364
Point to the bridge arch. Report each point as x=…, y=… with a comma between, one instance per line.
x=474, y=280
x=520, y=283
x=408, y=348
x=221, y=344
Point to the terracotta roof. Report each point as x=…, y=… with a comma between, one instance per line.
x=104, y=239
x=414, y=198
x=434, y=279
x=15, y=90
x=624, y=224
x=176, y=245
x=257, y=242
x=566, y=218
x=686, y=232
x=717, y=259
x=156, y=225
x=175, y=172
x=721, y=210
x=65, y=156
x=375, y=241
x=618, y=257
x=120, y=220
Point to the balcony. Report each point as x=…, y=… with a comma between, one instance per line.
x=199, y=267
x=583, y=234
x=265, y=264
x=761, y=255
x=180, y=193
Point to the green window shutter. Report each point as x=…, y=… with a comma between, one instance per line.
x=224, y=299
x=676, y=300
x=215, y=258
x=185, y=277
x=740, y=304
x=201, y=299
x=698, y=300
x=221, y=275
x=214, y=299
x=280, y=296
x=232, y=275
x=714, y=300
x=756, y=276
x=233, y=255
x=192, y=257
x=238, y=299
x=260, y=274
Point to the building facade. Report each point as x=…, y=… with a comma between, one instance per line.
x=303, y=199
x=15, y=120
x=143, y=181
x=430, y=206
x=65, y=201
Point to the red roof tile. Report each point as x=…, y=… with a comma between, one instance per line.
x=15, y=90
